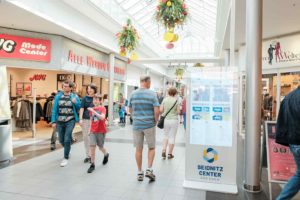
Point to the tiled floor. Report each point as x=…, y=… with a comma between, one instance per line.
x=42, y=178
x=43, y=132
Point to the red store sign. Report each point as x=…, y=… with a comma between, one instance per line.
x=38, y=77
x=90, y=61
x=25, y=48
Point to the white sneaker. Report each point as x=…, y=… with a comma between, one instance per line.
x=64, y=162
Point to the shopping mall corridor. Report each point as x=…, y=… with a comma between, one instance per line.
x=42, y=178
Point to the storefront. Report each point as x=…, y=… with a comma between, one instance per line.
x=281, y=72
x=281, y=67
x=37, y=64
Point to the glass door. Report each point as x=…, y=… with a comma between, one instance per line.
x=269, y=94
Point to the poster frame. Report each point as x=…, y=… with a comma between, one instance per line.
x=270, y=180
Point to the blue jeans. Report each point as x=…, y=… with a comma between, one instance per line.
x=65, y=130
x=293, y=185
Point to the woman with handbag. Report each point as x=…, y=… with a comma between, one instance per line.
x=170, y=110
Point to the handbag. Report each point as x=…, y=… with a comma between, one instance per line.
x=161, y=121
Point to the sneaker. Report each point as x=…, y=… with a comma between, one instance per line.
x=91, y=169
x=105, y=159
x=163, y=155
x=140, y=176
x=53, y=147
x=150, y=175
x=64, y=162
x=87, y=160
x=170, y=156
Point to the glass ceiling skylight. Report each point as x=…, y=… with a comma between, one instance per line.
x=196, y=37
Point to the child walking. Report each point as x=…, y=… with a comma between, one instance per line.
x=97, y=131
x=122, y=114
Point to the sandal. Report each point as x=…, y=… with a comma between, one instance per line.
x=163, y=155
x=170, y=156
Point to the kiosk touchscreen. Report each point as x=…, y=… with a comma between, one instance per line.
x=212, y=122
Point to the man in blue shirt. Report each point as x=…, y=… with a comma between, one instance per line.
x=64, y=116
x=288, y=134
x=144, y=108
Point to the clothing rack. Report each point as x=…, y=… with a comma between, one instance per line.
x=33, y=100
x=34, y=114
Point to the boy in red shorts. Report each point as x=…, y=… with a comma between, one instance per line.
x=97, y=131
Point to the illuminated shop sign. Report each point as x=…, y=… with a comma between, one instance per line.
x=93, y=62
x=18, y=47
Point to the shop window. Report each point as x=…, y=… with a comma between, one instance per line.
x=269, y=88
x=289, y=82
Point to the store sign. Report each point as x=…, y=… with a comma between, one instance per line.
x=92, y=62
x=211, y=147
x=282, y=52
x=120, y=70
x=64, y=77
x=24, y=48
x=84, y=60
x=280, y=160
x=89, y=61
x=38, y=77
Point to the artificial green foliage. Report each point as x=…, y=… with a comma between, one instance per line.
x=128, y=38
x=171, y=13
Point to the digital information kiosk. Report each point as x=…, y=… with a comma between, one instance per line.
x=212, y=125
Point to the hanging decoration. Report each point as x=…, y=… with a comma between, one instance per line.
x=198, y=65
x=128, y=39
x=179, y=73
x=171, y=13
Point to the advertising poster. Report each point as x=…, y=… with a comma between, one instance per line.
x=212, y=129
x=27, y=88
x=280, y=160
x=211, y=109
x=19, y=89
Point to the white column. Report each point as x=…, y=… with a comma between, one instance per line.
x=232, y=33
x=111, y=89
x=253, y=94
x=125, y=84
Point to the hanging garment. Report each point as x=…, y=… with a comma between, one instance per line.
x=23, y=114
x=45, y=110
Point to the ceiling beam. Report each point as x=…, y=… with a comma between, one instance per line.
x=178, y=60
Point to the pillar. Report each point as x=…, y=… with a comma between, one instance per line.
x=253, y=94
x=111, y=89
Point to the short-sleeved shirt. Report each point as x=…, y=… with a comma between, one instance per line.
x=98, y=126
x=65, y=109
x=86, y=102
x=167, y=103
x=142, y=103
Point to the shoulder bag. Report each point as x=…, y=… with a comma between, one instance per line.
x=161, y=121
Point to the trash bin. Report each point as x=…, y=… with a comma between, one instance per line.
x=6, y=151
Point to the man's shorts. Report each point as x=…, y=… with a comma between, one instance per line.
x=149, y=134
x=97, y=139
